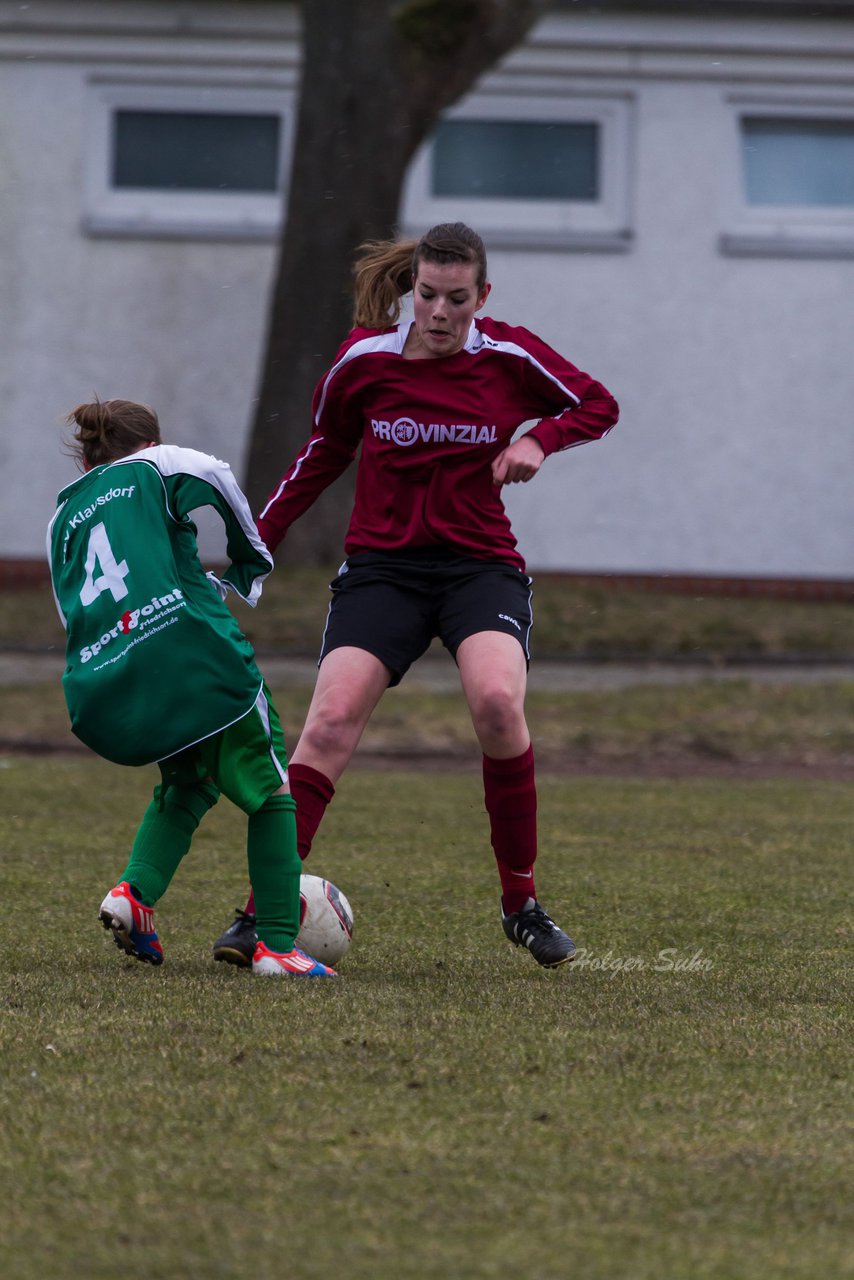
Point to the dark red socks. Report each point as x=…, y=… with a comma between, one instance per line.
x=510, y=794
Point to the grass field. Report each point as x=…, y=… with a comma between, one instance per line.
x=735, y=722
x=677, y=1104
x=569, y=621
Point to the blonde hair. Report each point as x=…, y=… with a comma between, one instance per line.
x=111, y=429
x=384, y=269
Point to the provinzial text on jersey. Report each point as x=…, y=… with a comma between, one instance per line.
x=405, y=431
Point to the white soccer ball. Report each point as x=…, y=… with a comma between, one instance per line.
x=326, y=920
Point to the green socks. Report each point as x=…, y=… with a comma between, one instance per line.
x=164, y=836
x=167, y=830
x=274, y=871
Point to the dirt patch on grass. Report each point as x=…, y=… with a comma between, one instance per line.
x=665, y=766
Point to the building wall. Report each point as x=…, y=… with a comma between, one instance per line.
x=731, y=362
x=176, y=322
x=733, y=374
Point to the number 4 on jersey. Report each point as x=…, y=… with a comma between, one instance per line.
x=113, y=574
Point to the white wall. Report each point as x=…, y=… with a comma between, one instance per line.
x=734, y=373
x=735, y=447
x=177, y=323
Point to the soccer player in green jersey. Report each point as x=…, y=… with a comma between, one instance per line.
x=159, y=671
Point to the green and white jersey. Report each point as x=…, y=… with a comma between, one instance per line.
x=155, y=660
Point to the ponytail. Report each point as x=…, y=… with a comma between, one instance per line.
x=382, y=275
x=111, y=429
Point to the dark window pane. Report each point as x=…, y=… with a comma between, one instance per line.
x=195, y=151
x=798, y=162
x=517, y=160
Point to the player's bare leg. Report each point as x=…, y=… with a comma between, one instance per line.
x=494, y=677
x=349, y=685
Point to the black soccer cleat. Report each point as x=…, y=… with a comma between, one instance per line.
x=237, y=944
x=532, y=928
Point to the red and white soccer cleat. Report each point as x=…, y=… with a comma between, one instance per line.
x=290, y=964
x=132, y=924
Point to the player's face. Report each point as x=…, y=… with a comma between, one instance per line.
x=445, y=298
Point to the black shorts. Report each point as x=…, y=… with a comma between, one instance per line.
x=393, y=604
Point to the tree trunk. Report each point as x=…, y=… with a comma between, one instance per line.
x=374, y=82
x=339, y=196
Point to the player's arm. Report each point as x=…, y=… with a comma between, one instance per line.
x=573, y=408
x=590, y=415
x=325, y=456
x=193, y=480
x=54, y=559
x=322, y=459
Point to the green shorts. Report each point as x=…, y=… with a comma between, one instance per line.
x=247, y=760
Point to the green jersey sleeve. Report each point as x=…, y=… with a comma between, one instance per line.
x=193, y=480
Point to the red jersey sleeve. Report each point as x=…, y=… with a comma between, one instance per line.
x=325, y=456
x=575, y=408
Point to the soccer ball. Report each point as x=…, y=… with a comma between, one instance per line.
x=326, y=920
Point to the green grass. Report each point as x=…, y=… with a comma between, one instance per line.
x=733, y=721
x=570, y=621
x=447, y=1109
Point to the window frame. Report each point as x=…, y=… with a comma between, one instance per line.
x=546, y=224
x=147, y=212
x=784, y=230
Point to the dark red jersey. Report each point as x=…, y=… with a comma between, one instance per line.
x=429, y=431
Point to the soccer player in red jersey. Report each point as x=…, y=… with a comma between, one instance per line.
x=434, y=404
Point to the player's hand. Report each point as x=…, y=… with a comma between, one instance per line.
x=519, y=462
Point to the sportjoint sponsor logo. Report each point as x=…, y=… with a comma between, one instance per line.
x=406, y=431
x=505, y=617
x=146, y=616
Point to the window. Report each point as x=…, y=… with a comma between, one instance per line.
x=187, y=160
x=195, y=151
x=516, y=160
x=528, y=171
x=798, y=162
x=794, y=187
